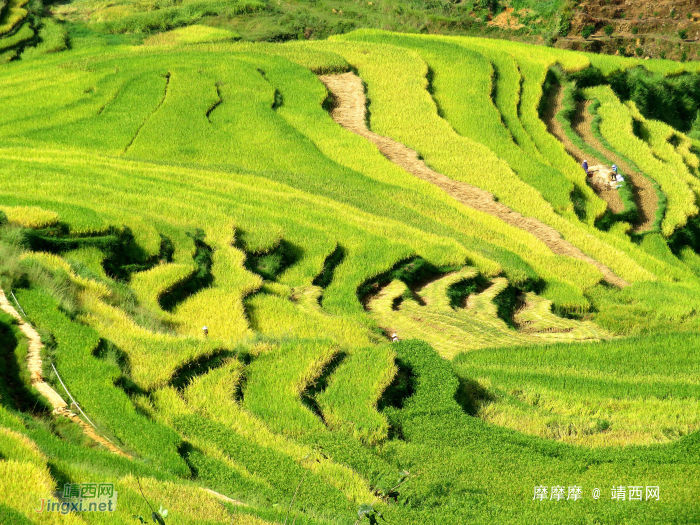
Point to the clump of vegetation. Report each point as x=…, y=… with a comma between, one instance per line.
x=458, y=292
x=587, y=31
x=674, y=100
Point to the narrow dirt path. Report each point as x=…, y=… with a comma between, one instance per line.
x=644, y=195
x=349, y=112
x=222, y=497
x=556, y=104
x=34, y=365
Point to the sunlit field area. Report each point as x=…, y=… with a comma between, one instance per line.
x=340, y=281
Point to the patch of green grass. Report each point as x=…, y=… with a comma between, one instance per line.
x=613, y=393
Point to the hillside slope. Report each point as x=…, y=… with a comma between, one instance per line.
x=217, y=243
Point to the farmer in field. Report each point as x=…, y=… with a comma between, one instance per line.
x=205, y=330
x=614, y=172
x=394, y=337
x=585, y=166
x=620, y=179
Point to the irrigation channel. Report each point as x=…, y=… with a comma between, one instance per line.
x=349, y=111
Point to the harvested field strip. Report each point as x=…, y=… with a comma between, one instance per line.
x=402, y=108
x=453, y=331
x=34, y=363
x=350, y=113
x=617, y=127
x=645, y=194
x=555, y=128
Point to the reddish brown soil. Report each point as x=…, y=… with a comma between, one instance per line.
x=640, y=28
x=349, y=112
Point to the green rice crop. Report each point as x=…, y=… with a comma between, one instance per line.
x=14, y=13
x=276, y=381
x=53, y=38
x=349, y=402
x=24, y=33
x=614, y=393
x=263, y=219
x=616, y=127
x=91, y=381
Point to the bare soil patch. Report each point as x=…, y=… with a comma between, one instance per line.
x=349, y=112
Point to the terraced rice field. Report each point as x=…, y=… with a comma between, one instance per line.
x=305, y=202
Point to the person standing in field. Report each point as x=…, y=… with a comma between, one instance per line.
x=394, y=337
x=585, y=166
x=205, y=330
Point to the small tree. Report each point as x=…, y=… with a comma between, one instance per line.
x=564, y=25
x=609, y=30
x=587, y=31
x=682, y=34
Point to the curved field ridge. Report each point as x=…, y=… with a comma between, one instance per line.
x=349, y=112
x=34, y=364
x=646, y=198
x=428, y=315
x=555, y=128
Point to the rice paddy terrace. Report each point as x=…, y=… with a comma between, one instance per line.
x=305, y=201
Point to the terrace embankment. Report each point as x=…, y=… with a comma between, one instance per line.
x=556, y=104
x=349, y=111
x=34, y=364
x=644, y=194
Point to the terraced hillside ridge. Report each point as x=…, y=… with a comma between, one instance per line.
x=150, y=190
x=555, y=128
x=349, y=112
x=427, y=314
x=34, y=364
x=645, y=195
